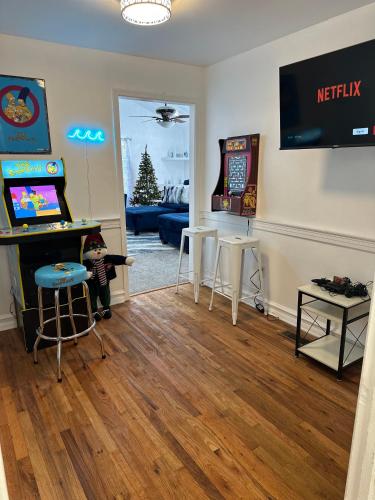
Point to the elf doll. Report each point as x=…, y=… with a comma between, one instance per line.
x=102, y=267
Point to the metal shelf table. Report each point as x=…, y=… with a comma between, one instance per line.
x=334, y=351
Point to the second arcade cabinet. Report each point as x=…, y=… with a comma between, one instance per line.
x=236, y=190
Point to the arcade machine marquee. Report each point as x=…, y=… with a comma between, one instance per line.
x=37, y=227
x=236, y=190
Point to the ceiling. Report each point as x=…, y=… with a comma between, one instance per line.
x=201, y=32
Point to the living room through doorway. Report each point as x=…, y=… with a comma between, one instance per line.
x=156, y=156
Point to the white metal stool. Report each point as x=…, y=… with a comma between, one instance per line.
x=237, y=244
x=58, y=276
x=197, y=233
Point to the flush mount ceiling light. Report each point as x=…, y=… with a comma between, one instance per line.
x=146, y=12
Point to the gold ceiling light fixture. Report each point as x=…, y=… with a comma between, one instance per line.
x=146, y=12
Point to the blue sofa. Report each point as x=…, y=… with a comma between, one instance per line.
x=144, y=218
x=170, y=229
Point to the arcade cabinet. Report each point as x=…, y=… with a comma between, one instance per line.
x=38, y=230
x=236, y=190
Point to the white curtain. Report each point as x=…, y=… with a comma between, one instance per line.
x=127, y=170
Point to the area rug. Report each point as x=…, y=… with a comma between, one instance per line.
x=155, y=265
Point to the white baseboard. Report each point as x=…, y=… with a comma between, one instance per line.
x=7, y=322
x=283, y=313
x=118, y=297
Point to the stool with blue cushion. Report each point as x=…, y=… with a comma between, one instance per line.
x=58, y=276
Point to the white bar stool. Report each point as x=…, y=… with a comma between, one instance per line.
x=197, y=233
x=237, y=244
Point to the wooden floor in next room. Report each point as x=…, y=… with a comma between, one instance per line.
x=185, y=406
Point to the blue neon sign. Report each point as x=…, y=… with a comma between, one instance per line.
x=87, y=135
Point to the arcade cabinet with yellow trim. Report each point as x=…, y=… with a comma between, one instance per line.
x=38, y=229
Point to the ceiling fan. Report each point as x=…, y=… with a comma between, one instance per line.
x=166, y=116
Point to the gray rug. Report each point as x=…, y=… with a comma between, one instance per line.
x=156, y=264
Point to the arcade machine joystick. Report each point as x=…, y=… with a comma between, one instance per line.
x=38, y=230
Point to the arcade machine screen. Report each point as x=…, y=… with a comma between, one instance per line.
x=34, y=201
x=237, y=174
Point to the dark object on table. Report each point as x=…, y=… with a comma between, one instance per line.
x=320, y=281
x=357, y=290
x=342, y=286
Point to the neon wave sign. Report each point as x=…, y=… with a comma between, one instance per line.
x=87, y=135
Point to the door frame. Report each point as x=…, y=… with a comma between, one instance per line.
x=360, y=482
x=193, y=177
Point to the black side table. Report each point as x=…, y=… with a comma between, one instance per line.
x=336, y=352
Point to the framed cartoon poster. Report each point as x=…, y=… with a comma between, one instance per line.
x=24, y=127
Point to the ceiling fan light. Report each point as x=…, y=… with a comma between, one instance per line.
x=146, y=12
x=166, y=124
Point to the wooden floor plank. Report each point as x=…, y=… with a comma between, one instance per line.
x=185, y=406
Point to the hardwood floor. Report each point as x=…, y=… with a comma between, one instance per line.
x=185, y=406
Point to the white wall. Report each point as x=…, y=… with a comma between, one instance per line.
x=159, y=141
x=305, y=197
x=79, y=91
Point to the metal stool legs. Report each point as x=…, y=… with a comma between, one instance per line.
x=236, y=267
x=217, y=261
x=58, y=333
x=59, y=339
x=197, y=257
x=179, y=261
x=70, y=305
x=41, y=324
x=91, y=321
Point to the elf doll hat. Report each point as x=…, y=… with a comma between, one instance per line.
x=93, y=241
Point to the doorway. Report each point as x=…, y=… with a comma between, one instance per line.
x=156, y=160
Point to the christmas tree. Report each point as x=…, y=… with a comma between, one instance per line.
x=146, y=189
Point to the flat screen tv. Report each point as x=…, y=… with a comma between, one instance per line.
x=329, y=101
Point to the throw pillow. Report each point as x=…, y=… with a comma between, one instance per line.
x=185, y=195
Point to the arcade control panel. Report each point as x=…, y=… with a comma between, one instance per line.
x=37, y=232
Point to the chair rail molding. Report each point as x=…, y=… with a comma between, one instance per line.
x=109, y=223
x=324, y=236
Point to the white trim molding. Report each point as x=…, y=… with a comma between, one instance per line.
x=361, y=476
x=354, y=242
x=7, y=322
x=3, y=482
x=110, y=223
x=118, y=297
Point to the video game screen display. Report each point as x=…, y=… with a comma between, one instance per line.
x=237, y=173
x=34, y=201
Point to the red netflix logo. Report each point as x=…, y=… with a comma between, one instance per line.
x=339, y=91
